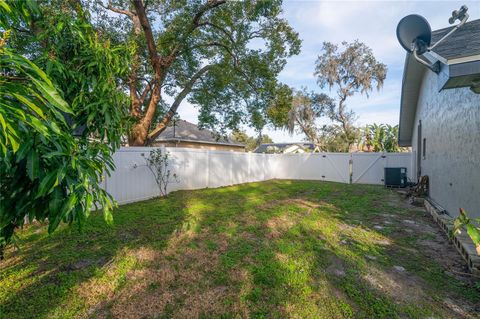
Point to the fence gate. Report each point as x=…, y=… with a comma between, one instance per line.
x=337, y=167
x=368, y=168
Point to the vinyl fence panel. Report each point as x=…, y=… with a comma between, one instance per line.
x=314, y=166
x=133, y=181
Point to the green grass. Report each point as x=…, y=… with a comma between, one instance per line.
x=277, y=249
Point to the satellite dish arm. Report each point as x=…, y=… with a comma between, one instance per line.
x=461, y=15
x=435, y=67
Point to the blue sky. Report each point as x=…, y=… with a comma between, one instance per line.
x=372, y=22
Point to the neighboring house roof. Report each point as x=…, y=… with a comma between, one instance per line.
x=462, y=47
x=281, y=147
x=182, y=130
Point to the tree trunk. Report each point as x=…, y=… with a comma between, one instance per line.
x=138, y=135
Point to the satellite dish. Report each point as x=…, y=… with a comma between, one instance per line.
x=414, y=29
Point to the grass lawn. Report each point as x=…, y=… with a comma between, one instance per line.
x=277, y=249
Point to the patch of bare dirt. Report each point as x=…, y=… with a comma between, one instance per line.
x=301, y=202
x=209, y=302
x=405, y=287
x=277, y=226
x=400, y=285
x=336, y=267
x=173, y=279
x=438, y=247
x=431, y=242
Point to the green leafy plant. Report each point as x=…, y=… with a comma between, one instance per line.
x=379, y=138
x=250, y=142
x=471, y=225
x=47, y=173
x=158, y=163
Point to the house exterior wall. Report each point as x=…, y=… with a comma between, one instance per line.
x=205, y=146
x=451, y=128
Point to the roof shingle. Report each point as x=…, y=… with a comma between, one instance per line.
x=463, y=42
x=187, y=131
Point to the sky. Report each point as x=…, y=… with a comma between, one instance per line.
x=371, y=22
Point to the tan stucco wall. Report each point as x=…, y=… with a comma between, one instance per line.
x=451, y=126
x=213, y=147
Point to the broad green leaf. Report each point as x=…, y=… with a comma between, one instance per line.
x=3, y=148
x=47, y=183
x=55, y=202
x=52, y=96
x=5, y=6
x=31, y=105
x=38, y=125
x=13, y=142
x=54, y=153
x=23, y=150
x=32, y=67
x=55, y=128
x=474, y=233
x=60, y=26
x=4, y=124
x=107, y=215
x=32, y=164
x=88, y=203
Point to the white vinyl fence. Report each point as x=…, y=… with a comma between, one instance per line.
x=196, y=168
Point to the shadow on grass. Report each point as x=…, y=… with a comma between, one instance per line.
x=46, y=272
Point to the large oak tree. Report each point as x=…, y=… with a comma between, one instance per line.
x=223, y=56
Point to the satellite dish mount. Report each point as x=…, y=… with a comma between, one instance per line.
x=415, y=35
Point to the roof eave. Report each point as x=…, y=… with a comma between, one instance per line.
x=196, y=141
x=460, y=74
x=411, y=83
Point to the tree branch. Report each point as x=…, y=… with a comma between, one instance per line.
x=145, y=92
x=116, y=10
x=228, y=34
x=162, y=125
x=223, y=46
x=152, y=47
x=195, y=24
x=236, y=63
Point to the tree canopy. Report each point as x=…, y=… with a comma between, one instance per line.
x=351, y=70
x=222, y=56
x=250, y=142
x=325, y=120
x=58, y=129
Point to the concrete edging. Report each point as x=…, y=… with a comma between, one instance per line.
x=461, y=241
